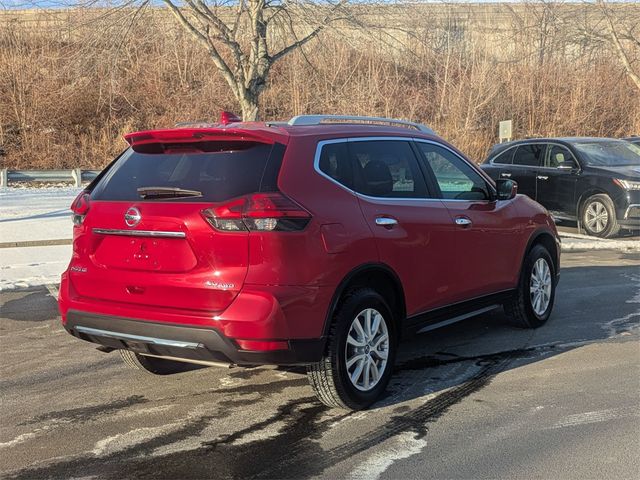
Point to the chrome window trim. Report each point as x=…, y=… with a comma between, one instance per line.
x=501, y=153
x=508, y=165
x=322, y=143
x=137, y=338
x=139, y=233
x=514, y=157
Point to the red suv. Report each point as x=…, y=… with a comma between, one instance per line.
x=320, y=242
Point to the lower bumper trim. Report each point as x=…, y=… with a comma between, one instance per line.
x=188, y=343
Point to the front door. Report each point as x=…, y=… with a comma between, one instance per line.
x=556, y=182
x=412, y=231
x=485, y=260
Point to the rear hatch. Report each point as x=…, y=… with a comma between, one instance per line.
x=148, y=236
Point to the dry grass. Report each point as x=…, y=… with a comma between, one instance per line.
x=69, y=89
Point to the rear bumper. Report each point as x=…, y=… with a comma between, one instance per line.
x=259, y=320
x=185, y=342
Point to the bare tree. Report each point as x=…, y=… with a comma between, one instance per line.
x=245, y=38
x=617, y=38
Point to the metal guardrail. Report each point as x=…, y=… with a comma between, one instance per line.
x=75, y=176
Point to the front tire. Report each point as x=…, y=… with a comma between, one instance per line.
x=153, y=365
x=599, y=217
x=533, y=301
x=361, y=350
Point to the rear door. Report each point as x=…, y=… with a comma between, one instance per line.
x=412, y=231
x=499, y=165
x=556, y=182
x=527, y=160
x=481, y=254
x=145, y=239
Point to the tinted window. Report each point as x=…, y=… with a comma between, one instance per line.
x=612, y=153
x=559, y=156
x=505, y=158
x=335, y=162
x=386, y=169
x=220, y=170
x=456, y=179
x=530, y=155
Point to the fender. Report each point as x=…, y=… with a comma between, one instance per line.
x=537, y=234
x=344, y=283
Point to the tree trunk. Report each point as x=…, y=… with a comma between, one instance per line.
x=249, y=105
x=617, y=45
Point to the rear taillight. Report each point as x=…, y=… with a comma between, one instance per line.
x=262, y=212
x=80, y=207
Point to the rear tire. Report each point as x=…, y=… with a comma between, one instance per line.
x=153, y=365
x=598, y=216
x=358, y=362
x=532, y=304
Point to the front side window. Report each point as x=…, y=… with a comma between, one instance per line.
x=529, y=155
x=386, y=168
x=559, y=156
x=456, y=179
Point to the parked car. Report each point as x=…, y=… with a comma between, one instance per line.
x=318, y=242
x=595, y=181
x=635, y=139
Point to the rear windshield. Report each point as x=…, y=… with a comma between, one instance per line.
x=609, y=154
x=218, y=170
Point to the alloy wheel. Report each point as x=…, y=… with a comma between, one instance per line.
x=596, y=217
x=540, y=286
x=367, y=349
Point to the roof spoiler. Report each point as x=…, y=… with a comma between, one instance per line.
x=192, y=135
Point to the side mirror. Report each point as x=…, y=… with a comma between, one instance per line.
x=507, y=189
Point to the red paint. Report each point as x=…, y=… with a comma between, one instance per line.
x=263, y=288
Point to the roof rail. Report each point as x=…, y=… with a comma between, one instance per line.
x=319, y=119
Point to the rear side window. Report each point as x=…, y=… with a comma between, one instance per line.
x=505, y=158
x=529, y=155
x=335, y=162
x=386, y=168
x=219, y=170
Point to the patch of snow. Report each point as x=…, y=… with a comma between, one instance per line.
x=403, y=446
x=574, y=242
x=28, y=214
x=24, y=267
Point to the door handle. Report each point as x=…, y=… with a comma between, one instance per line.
x=463, y=221
x=386, y=222
x=505, y=175
x=543, y=177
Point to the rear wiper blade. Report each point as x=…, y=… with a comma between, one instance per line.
x=167, y=192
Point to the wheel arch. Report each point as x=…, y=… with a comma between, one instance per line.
x=594, y=190
x=546, y=239
x=378, y=276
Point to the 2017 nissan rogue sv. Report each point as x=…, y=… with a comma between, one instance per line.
x=318, y=242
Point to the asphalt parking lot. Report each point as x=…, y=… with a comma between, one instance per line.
x=478, y=399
